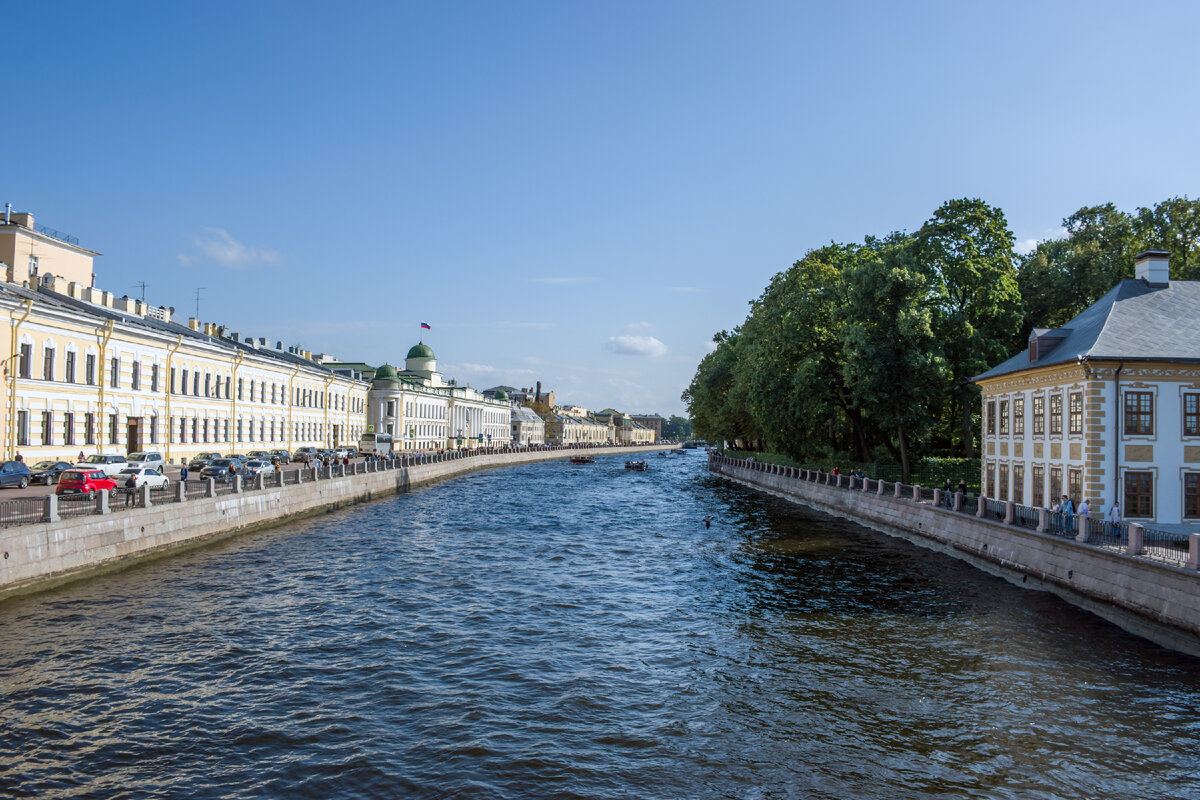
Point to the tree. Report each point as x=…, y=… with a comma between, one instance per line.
x=676, y=427
x=891, y=363
x=1174, y=225
x=966, y=249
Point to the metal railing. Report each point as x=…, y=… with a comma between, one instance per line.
x=76, y=505
x=21, y=511
x=1026, y=517
x=1165, y=546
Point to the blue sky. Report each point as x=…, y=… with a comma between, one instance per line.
x=577, y=193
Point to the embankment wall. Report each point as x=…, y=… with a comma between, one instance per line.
x=40, y=555
x=1158, y=601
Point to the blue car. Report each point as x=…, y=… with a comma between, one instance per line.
x=14, y=473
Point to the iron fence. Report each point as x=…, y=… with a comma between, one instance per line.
x=994, y=509
x=196, y=489
x=1105, y=534
x=926, y=494
x=161, y=495
x=1165, y=546
x=1026, y=517
x=76, y=505
x=21, y=511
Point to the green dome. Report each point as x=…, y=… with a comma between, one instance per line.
x=386, y=373
x=501, y=394
x=420, y=350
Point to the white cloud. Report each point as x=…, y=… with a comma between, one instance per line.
x=217, y=244
x=636, y=346
x=479, y=369
x=1027, y=246
x=565, y=280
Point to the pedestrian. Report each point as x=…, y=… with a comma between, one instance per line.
x=1068, y=514
x=962, y=486
x=81, y=457
x=130, y=488
x=1114, y=513
x=183, y=473
x=345, y=461
x=232, y=471
x=1084, y=509
x=1056, y=515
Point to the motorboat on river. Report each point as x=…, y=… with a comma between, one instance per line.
x=583, y=459
x=637, y=466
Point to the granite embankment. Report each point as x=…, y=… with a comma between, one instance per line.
x=1146, y=594
x=42, y=554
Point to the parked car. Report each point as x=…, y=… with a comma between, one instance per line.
x=281, y=455
x=340, y=453
x=238, y=457
x=110, y=464
x=151, y=460
x=14, y=473
x=262, y=455
x=144, y=476
x=84, y=481
x=202, y=460
x=352, y=452
x=256, y=466
x=304, y=454
x=218, y=468
x=48, y=472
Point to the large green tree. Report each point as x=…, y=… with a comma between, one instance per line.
x=1174, y=225
x=966, y=249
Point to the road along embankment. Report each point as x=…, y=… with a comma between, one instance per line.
x=79, y=538
x=1153, y=593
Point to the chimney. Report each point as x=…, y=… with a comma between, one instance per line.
x=537, y=398
x=278, y=345
x=237, y=337
x=262, y=341
x=193, y=323
x=1153, y=267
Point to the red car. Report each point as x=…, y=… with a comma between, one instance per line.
x=84, y=481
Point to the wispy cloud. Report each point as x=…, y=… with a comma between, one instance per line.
x=637, y=346
x=565, y=280
x=218, y=245
x=1027, y=246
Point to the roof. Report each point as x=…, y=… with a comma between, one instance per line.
x=420, y=350
x=386, y=373
x=1132, y=322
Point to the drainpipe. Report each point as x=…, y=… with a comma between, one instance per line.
x=325, y=403
x=1117, y=435
x=13, y=364
x=291, y=399
x=233, y=393
x=171, y=391
x=103, y=334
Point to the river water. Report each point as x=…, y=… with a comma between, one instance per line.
x=567, y=631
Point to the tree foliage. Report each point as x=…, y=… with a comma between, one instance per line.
x=861, y=349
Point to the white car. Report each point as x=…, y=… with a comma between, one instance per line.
x=152, y=460
x=112, y=465
x=258, y=466
x=143, y=476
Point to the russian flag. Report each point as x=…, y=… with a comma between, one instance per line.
x=426, y=326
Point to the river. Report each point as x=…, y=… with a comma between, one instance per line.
x=574, y=631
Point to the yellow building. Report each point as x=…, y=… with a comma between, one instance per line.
x=88, y=372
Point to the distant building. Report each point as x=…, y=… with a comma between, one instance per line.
x=1106, y=407
x=527, y=427
x=424, y=412
x=652, y=421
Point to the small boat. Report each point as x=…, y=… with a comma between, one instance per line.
x=663, y=454
x=637, y=466
x=583, y=459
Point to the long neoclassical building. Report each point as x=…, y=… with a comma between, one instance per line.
x=1106, y=407
x=90, y=372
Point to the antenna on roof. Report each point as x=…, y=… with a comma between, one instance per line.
x=198, y=290
x=142, y=285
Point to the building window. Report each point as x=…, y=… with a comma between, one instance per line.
x=1075, y=414
x=68, y=428
x=24, y=367
x=183, y=384
x=48, y=364
x=154, y=430
x=1191, y=495
x=207, y=384
x=136, y=377
x=1139, y=413
x=991, y=481
x=154, y=377
x=23, y=428
x=1019, y=416
x=89, y=368
x=241, y=387
x=47, y=427
x=195, y=429
x=70, y=378
x=1056, y=486
x=89, y=428
x=251, y=391
x=1056, y=414
x=1139, y=494
x=1004, y=418
x=1039, y=416
x=196, y=383
x=1003, y=482
x=1018, y=483
x=1075, y=485
x=1191, y=415
x=112, y=428
x=115, y=376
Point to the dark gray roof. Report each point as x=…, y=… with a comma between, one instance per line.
x=1134, y=322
